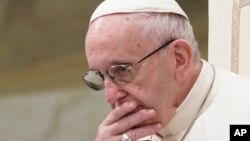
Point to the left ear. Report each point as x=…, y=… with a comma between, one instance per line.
x=183, y=59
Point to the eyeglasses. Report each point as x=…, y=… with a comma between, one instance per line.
x=120, y=74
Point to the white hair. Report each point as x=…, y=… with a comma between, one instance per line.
x=162, y=27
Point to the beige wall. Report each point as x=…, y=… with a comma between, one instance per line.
x=244, y=43
x=229, y=36
x=71, y=114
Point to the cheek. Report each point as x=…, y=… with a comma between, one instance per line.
x=160, y=98
x=150, y=86
x=143, y=94
x=150, y=97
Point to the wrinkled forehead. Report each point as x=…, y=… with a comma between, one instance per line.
x=113, y=37
x=115, y=21
x=113, y=28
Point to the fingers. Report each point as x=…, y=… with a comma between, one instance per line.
x=126, y=124
x=141, y=132
x=119, y=112
x=133, y=120
x=130, y=119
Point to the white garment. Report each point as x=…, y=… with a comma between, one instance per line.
x=230, y=105
x=227, y=103
x=108, y=7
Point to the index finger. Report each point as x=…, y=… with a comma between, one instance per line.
x=119, y=112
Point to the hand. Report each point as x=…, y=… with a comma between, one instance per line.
x=120, y=121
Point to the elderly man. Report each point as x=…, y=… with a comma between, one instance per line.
x=144, y=54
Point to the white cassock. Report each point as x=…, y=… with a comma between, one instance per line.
x=207, y=113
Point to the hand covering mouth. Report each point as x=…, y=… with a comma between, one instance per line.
x=138, y=108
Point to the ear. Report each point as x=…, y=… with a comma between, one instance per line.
x=183, y=57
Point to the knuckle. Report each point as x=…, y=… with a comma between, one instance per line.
x=127, y=123
x=101, y=131
x=142, y=115
x=114, y=114
x=103, y=134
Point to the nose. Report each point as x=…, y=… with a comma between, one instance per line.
x=113, y=92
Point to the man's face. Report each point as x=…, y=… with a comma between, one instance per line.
x=114, y=40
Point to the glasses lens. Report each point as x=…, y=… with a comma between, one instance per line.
x=120, y=74
x=94, y=80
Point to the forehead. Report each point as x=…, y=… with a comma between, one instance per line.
x=111, y=39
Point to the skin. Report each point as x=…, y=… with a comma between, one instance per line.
x=159, y=85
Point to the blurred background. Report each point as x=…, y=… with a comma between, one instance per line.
x=42, y=96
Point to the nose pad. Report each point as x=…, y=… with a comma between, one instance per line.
x=112, y=91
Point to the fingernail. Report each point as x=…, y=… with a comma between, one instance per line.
x=131, y=104
x=158, y=126
x=151, y=111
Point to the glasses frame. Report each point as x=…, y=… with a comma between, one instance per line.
x=128, y=68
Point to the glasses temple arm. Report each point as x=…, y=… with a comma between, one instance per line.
x=166, y=44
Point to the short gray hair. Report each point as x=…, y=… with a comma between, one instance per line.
x=162, y=27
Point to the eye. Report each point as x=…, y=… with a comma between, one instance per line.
x=120, y=74
x=117, y=70
x=121, y=69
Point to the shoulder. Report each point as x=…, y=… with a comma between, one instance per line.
x=233, y=82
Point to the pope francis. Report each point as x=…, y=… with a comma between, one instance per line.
x=144, y=55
